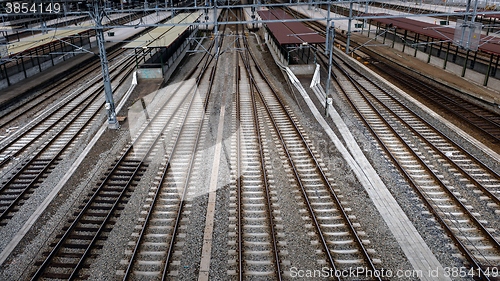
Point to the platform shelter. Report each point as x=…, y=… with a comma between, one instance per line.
x=449, y=45
x=165, y=45
x=294, y=40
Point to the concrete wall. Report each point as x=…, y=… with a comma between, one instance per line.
x=149, y=73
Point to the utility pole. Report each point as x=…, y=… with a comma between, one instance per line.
x=330, y=39
x=98, y=15
x=348, y=41
x=216, y=32
x=328, y=20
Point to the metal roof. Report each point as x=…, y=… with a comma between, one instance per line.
x=38, y=40
x=289, y=32
x=164, y=36
x=487, y=43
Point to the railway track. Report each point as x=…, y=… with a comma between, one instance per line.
x=172, y=134
x=338, y=237
x=43, y=143
x=104, y=204
x=160, y=232
x=52, y=116
x=415, y=40
x=256, y=219
x=470, y=115
x=14, y=115
x=461, y=192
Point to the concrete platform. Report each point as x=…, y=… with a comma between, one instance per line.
x=471, y=84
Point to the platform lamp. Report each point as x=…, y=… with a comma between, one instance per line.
x=97, y=14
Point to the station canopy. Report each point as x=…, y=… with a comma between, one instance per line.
x=485, y=43
x=290, y=32
x=33, y=42
x=164, y=36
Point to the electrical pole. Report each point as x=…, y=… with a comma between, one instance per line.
x=348, y=41
x=330, y=39
x=108, y=92
x=328, y=43
x=216, y=32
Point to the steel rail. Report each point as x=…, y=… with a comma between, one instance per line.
x=253, y=87
x=238, y=176
x=36, y=156
x=169, y=254
x=47, y=146
x=429, y=170
x=47, y=94
x=268, y=193
x=60, y=108
x=157, y=193
x=442, y=154
x=87, y=206
x=205, y=105
x=115, y=52
x=357, y=240
x=473, y=158
x=469, y=256
x=461, y=108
